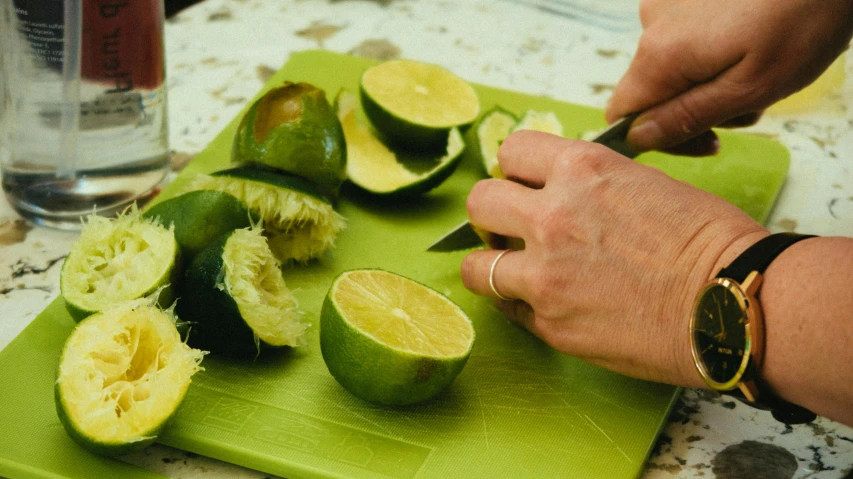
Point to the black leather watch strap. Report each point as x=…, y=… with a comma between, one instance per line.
x=757, y=258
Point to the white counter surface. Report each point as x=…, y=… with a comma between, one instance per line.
x=220, y=52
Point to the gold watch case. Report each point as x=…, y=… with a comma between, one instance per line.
x=711, y=321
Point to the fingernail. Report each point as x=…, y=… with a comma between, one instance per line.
x=645, y=134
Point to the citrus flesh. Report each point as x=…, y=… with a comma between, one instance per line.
x=415, y=103
x=236, y=299
x=372, y=166
x=300, y=225
x=545, y=121
x=391, y=340
x=122, y=374
x=491, y=130
x=117, y=260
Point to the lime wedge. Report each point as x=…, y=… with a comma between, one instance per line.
x=546, y=121
x=199, y=217
x=235, y=298
x=292, y=128
x=372, y=166
x=390, y=340
x=122, y=374
x=299, y=221
x=116, y=260
x=491, y=130
x=415, y=104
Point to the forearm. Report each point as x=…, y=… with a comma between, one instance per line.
x=807, y=298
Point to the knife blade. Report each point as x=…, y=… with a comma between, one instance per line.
x=464, y=236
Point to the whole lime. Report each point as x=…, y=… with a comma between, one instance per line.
x=293, y=128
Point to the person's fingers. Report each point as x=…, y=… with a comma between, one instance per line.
x=507, y=275
x=693, y=112
x=705, y=144
x=526, y=156
x=741, y=121
x=498, y=206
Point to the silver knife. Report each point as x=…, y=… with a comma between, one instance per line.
x=464, y=236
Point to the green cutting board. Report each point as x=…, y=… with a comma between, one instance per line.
x=518, y=409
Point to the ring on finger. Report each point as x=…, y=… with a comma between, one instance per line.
x=492, y=275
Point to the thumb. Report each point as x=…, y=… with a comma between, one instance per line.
x=694, y=112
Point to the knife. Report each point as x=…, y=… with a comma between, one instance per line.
x=464, y=236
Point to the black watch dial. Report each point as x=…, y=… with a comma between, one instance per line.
x=720, y=334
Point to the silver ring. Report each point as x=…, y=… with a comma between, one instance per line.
x=492, y=275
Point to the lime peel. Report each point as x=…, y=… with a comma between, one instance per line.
x=299, y=226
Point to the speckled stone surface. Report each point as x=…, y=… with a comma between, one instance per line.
x=220, y=52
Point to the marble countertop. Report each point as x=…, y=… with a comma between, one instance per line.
x=220, y=52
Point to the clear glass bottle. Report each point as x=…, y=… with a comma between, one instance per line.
x=83, y=119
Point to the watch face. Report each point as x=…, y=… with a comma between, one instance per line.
x=720, y=335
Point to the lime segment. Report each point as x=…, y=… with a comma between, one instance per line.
x=122, y=374
x=377, y=169
x=491, y=129
x=391, y=340
x=545, y=121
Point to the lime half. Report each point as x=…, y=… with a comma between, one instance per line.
x=491, y=130
x=372, y=166
x=116, y=260
x=391, y=340
x=122, y=374
x=235, y=298
x=415, y=104
x=299, y=221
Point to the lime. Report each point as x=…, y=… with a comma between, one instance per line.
x=300, y=222
x=122, y=374
x=199, y=217
x=293, y=128
x=491, y=130
x=546, y=121
x=235, y=298
x=391, y=340
x=117, y=260
x=415, y=104
x=372, y=166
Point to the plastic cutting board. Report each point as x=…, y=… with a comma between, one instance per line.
x=518, y=409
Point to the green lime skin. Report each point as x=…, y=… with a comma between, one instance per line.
x=403, y=134
x=199, y=217
x=216, y=323
x=293, y=128
x=272, y=176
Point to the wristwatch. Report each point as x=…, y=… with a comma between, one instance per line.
x=727, y=330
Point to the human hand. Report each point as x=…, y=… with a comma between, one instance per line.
x=615, y=252
x=706, y=63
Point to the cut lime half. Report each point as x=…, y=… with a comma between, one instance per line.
x=415, y=104
x=116, y=260
x=391, y=340
x=235, y=298
x=377, y=169
x=122, y=374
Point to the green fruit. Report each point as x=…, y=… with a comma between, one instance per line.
x=122, y=374
x=236, y=300
x=545, y=121
x=199, y=217
x=299, y=221
x=390, y=340
x=373, y=167
x=491, y=130
x=116, y=260
x=292, y=128
x=414, y=105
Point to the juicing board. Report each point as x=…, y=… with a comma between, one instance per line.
x=518, y=409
